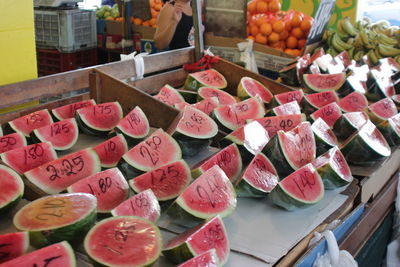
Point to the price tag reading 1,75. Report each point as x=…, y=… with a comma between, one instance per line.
x=321, y=20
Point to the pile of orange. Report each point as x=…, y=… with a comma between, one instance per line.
x=268, y=24
x=155, y=7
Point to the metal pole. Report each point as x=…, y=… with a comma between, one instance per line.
x=198, y=33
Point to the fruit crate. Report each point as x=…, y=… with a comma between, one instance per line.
x=65, y=30
x=51, y=61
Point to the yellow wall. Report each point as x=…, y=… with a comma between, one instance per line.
x=17, y=41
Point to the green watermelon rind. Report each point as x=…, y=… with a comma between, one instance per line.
x=193, y=84
x=99, y=262
x=343, y=128
x=72, y=232
x=375, y=118
x=391, y=135
x=322, y=145
x=312, y=89
x=37, y=138
x=6, y=207
x=243, y=93
x=308, y=107
x=191, y=146
x=130, y=138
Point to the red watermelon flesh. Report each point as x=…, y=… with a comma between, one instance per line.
x=261, y=173
x=329, y=113
x=224, y=98
x=101, y=117
x=209, y=235
x=324, y=82
x=337, y=162
x=234, y=116
x=298, y=145
x=12, y=189
x=111, y=151
x=210, y=77
x=68, y=111
x=59, y=254
x=55, y=176
x=62, y=135
x=166, y=182
x=13, y=245
x=169, y=95
x=135, y=124
x=26, y=124
x=144, y=205
x=384, y=81
x=196, y=124
x=287, y=97
x=281, y=122
x=353, y=102
x=287, y=109
x=357, y=119
x=228, y=159
x=124, y=241
x=255, y=88
x=321, y=129
x=237, y=136
x=209, y=195
x=208, y=258
x=319, y=53
x=344, y=58
x=318, y=100
x=181, y=106
x=29, y=157
x=109, y=187
x=384, y=108
x=207, y=105
x=12, y=141
x=157, y=150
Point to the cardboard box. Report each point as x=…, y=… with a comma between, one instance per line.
x=115, y=28
x=144, y=32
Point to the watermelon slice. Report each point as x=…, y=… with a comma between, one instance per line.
x=68, y=111
x=333, y=169
x=325, y=139
x=169, y=95
x=52, y=219
x=233, y=116
x=300, y=189
x=12, y=189
x=396, y=100
x=134, y=126
x=344, y=58
x=315, y=101
x=353, y=102
x=62, y=135
x=290, y=96
x=209, y=195
x=208, y=235
x=324, y=62
x=109, y=187
x=289, y=151
x=29, y=157
x=181, y=106
x=13, y=245
x=349, y=123
x=258, y=179
x=329, y=113
x=289, y=75
x=366, y=147
x=208, y=258
x=194, y=131
x=157, y=150
x=60, y=254
x=124, y=241
x=324, y=82
x=281, y=122
x=228, y=159
x=144, y=205
x=55, y=176
x=26, y=124
x=249, y=87
x=381, y=110
x=167, y=182
x=289, y=108
x=224, y=98
x=12, y=141
x=379, y=85
x=99, y=119
x=391, y=130
x=111, y=151
x=207, y=105
x=206, y=78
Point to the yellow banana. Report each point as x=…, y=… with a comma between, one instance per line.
x=388, y=51
x=339, y=44
x=383, y=39
x=348, y=27
x=372, y=57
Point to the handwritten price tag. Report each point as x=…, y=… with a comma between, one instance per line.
x=68, y=167
x=321, y=20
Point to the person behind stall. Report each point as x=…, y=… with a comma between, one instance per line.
x=174, y=25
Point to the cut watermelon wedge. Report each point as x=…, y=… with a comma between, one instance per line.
x=381, y=110
x=329, y=113
x=144, y=205
x=60, y=254
x=124, y=241
x=349, y=123
x=12, y=141
x=379, y=85
x=290, y=96
x=249, y=87
x=206, y=78
x=12, y=189
x=324, y=82
x=111, y=151
x=26, y=124
x=109, y=187
x=68, y=111
x=169, y=95
x=208, y=258
x=29, y=157
x=300, y=189
x=282, y=122
x=224, y=98
x=353, y=102
x=52, y=219
x=289, y=108
x=208, y=235
x=325, y=139
x=207, y=105
x=313, y=102
x=391, y=130
x=134, y=126
x=258, y=179
x=13, y=245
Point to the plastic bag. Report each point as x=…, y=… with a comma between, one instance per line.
x=247, y=55
x=139, y=63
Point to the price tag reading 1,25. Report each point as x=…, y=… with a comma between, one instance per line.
x=321, y=20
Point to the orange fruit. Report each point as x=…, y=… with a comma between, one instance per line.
x=153, y=21
x=291, y=42
x=158, y=7
x=278, y=26
x=296, y=52
x=297, y=32
x=138, y=21
x=251, y=6
x=261, y=7
x=261, y=39
x=266, y=28
x=296, y=19
x=254, y=30
x=146, y=23
x=154, y=13
x=301, y=43
x=152, y=3
x=306, y=24
x=250, y=37
x=273, y=37
x=274, y=6
x=284, y=35
x=261, y=20
x=289, y=51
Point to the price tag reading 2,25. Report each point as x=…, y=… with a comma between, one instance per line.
x=321, y=20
